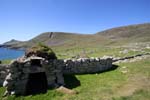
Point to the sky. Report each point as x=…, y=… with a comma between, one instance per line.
x=25, y=19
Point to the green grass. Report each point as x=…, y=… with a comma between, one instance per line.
x=96, y=52
x=6, y=61
x=111, y=85
x=138, y=95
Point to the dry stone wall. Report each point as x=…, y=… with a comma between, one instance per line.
x=87, y=65
x=3, y=73
x=130, y=58
x=19, y=70
x=16, y=75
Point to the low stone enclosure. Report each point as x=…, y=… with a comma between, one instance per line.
x=27, y=75
x=35, y=73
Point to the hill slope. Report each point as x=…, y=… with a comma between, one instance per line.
x=119, y=36
x=139, y=32
x=59, y=39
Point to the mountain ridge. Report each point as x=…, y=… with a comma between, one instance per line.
x=126, y=29
x=124, y=34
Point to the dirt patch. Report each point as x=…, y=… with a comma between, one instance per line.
x=135, y=82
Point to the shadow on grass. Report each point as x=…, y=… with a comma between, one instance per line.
x=114, y=67
x=111, y=69
x=71, y=81
x=106, y=70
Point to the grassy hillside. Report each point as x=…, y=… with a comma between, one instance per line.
x=60, y=38
x=130, y=81
x=111, y=85
x=115, y=36
x=134, y=33
x=64, y=40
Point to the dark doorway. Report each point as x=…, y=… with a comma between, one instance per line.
x=35, y=62
x=37, y=83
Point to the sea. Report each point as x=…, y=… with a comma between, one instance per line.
x=8, y=54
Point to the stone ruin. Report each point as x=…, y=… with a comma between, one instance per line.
x=27, y=75
x=35, y=74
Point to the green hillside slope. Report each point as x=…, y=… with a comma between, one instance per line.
x=114, y=36
x=137, y=33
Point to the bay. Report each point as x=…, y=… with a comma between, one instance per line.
x=6, y=54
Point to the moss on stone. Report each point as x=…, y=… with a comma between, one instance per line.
x=41, y=51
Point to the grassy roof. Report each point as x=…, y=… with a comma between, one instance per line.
x=41, y=50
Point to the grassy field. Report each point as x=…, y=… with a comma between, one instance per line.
x=100, y=51
x=130, y=81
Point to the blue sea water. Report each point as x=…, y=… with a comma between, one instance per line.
x=6, y=53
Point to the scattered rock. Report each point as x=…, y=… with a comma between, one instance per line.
x=5, y=83
x=124, y=67
x=131, y=58
x=148, y=46
x=124, y=71
x=106, y=57
x=65, y=90
x=13, y=92
x=124, y=51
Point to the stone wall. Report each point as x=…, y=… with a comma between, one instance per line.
x=20, y=69
x=3, y=73
x=87, y=65
x=124, y=59
x=16, y=75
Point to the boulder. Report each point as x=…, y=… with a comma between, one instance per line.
x=65, y=90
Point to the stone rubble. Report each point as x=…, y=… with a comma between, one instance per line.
x=65, y=90
x=131, y=58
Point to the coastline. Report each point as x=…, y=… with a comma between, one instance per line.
x=12, y=48
x=10, y=53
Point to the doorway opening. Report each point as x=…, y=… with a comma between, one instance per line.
x=37, y=83
x=36, y=62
